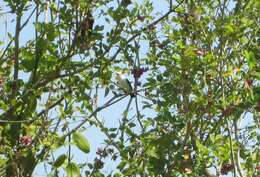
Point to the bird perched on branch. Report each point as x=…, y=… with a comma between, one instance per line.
x=84, y=32
x=86, y=26
x=124, y=84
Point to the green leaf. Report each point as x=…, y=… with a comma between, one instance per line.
x=98, y=174
x=72, y=170
x=117, y=175
x=250, y=57
x=152, y=151
x=50, y=175
x=81, y=142
x=59, y=141
x=60, y=160
x=2, y=161
x=229, y=29
x=202, y=148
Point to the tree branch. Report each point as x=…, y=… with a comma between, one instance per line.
x=9, y=44
x=107, y=104
x=146, y=28
x=16, y=56
x=231, y=148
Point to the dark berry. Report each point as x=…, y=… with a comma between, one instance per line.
x=138, y=72
x=99, y=164
x=227, y=167
x=228, y=111
x=141, y=18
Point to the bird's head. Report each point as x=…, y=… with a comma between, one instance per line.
x=120, y=75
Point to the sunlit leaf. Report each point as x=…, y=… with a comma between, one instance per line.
x=81, y=142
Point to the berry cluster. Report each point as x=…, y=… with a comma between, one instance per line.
x=228, y=111
x=227, y=167
x=141, y=18
x=26, y=140
x=98, y=164
x=138, y=72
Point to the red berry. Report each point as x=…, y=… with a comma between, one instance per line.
x=26, y=140
x=258, y=167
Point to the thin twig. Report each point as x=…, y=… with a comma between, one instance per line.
x=16, y=56
x=9, y=44
x=144, y=29
x=124, y=120
x=138, y=114
x=107, y=104
x=231, y=148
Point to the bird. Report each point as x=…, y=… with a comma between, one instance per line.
x=87, y=26
x=84, y=32
x=124, y=84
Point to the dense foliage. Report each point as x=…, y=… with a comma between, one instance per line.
x=195, y=67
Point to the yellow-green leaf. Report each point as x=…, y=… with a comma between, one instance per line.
x=81, y=142
x=72, y=170
x=60, y=160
